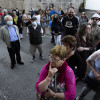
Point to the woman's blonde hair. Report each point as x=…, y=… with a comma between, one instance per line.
x=59, y=51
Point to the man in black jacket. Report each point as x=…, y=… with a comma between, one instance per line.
x=35, y=38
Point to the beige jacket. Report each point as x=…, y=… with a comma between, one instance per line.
x=4, y=35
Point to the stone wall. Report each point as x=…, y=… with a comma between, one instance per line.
x=57, y=3
x=10, y=4
x=28, y=4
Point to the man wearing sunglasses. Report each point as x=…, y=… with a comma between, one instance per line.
x=95, y=31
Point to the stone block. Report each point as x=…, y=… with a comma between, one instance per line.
x=27, y=4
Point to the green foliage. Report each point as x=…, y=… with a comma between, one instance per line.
x=82, y=5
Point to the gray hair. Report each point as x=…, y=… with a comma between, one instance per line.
x=6, y=18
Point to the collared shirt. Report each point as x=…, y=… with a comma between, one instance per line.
x=12, y=33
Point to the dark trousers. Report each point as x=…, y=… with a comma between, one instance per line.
x=14, y=50
x=20, y=30
x=91, y=84
x=52, y=39
x=98, y=46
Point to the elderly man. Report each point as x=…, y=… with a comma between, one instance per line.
x=70, y=23
x=35, y=38
x=10, y=35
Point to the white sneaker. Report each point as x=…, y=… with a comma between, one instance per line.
x=41, y=57
x=32, y=60
x=21, y=36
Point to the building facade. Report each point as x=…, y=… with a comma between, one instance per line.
x=35, y=4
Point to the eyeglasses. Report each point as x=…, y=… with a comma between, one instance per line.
x=53, y=59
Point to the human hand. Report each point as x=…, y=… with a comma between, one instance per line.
x=97, y=75
x=49, y=93
x=80, y=48
x=52, y=71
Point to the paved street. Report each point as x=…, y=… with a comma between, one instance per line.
x=19, y=83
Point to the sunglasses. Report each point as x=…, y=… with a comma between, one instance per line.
x=95, y=19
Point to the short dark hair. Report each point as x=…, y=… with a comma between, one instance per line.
x=36, y=12
x=71, y=40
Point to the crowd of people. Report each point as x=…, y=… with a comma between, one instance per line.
x=77, y=45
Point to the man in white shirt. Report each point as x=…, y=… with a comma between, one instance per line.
x=93, y=79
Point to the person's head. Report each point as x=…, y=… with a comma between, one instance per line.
x=5, y=12
x=23, y=12
x=36, y=12
x=9, y=20
x=71, y=12
x=69, y=42
x=53, y=8
x=14, y=13
x=17, y=9
x=55, y=17
x=84, y=29
x=34, y=21
x=98, y=13
x=58, y=55
x=59, y=8
x=83, y=14
x=71, y=4
x=95, y=18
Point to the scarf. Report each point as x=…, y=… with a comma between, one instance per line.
x=61, y=71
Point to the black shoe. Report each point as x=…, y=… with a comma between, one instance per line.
x=12, y=66
x=52, y=41
x=20, y=63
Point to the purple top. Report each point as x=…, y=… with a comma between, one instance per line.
x=69, y=80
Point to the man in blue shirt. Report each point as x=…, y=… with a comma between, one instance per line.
x=53, y=11
x=10, y=35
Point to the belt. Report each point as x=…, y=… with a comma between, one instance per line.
x=14, y=41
